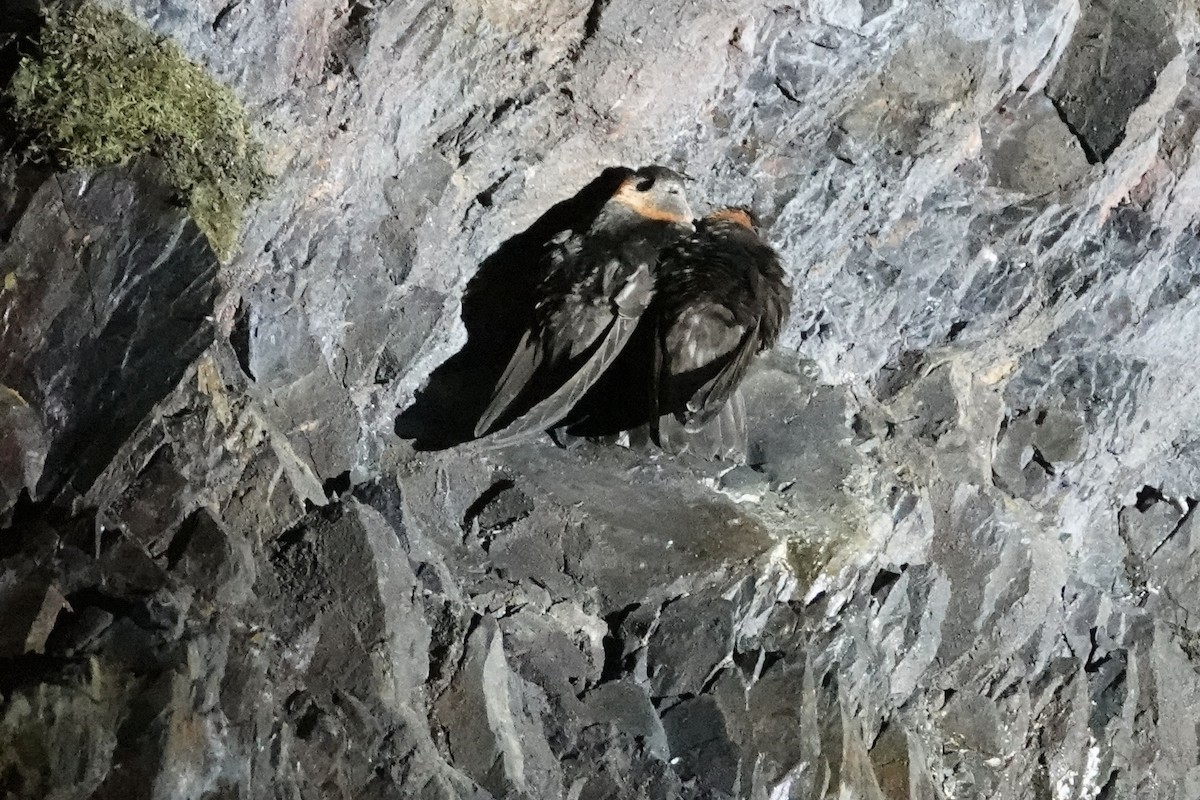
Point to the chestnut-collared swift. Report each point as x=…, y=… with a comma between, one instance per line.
x=721, y=298
x=594, y=283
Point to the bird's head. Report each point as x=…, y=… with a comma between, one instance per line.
x=655, y=193
x=735, y=215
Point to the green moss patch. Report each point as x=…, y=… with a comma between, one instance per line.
x=101, y=89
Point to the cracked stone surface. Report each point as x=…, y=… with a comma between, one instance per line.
x=960, y=561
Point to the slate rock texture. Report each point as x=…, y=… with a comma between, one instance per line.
x=959, y=561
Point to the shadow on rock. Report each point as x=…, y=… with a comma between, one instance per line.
x=18, y=29
x=496, y=311
x=20, y=176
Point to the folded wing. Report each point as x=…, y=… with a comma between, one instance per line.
x=558, y=361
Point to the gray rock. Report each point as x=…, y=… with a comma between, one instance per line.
x=1110, y=67
x=79, y=348
x=700, y=745
x=693, y=635
x=1030, y=149
x=501, y=506
x=1171, y=576
x=23, y=446
x=32, y=606
x=625, y=704
x=959, y=557
x=489, y=730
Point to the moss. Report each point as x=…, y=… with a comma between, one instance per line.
x=101, y=89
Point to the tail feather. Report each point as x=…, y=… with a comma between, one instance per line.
x=653, y=415
x=713, y=396
x=732, y=436
x=517, y=375
x=722, y=437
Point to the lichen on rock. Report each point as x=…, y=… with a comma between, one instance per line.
x=101, y=89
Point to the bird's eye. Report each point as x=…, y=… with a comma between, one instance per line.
x=675, y=190
x=645, y=185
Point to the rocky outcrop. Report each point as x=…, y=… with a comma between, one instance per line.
x=959, y=561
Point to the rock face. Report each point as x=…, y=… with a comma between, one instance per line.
x=961, y=561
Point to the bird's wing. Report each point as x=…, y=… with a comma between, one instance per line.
x=723, y=437
x=710, y=398
x=547, y=413
x=763, y=322
x=656, y=367
x=732, y=436
x=521, y=368
x=703, y=357
x=605, y=334
x=532, y=350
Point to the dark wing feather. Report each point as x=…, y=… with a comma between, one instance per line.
x=744, y=278
x=709, y=399
x=734, y=432
x=772, y=300
x=724, y=436
x=700, y=344
x=656, y=366
x=575, y=352
x=552, y=410
x=531, y=353
x=775, y=297
x=521, y=368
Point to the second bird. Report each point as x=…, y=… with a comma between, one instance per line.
x=721, y=300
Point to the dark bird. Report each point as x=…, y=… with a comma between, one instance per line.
x=720, y=299
x=593, y=285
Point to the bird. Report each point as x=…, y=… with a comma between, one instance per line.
x=721, y=298
x=594, y=282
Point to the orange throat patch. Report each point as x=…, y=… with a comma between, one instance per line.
x=737, y=216
x=641, y=205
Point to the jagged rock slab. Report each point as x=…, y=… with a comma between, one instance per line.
x=108, y=297
x=959, y=561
